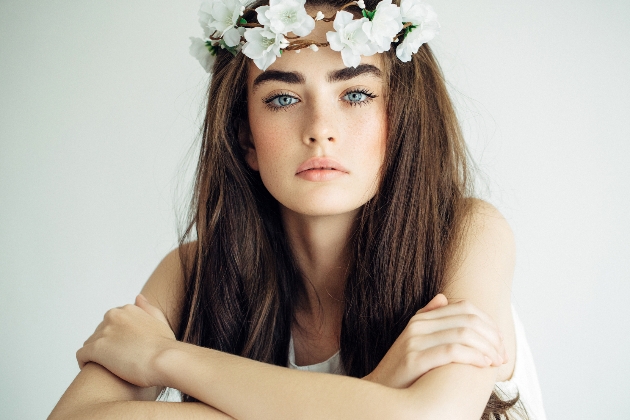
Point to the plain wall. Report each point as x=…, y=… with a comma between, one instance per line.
x=100, y=108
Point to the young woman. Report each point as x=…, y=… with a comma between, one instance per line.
x=332, y=230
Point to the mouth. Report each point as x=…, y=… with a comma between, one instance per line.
x=319, y=169
x=321, y=164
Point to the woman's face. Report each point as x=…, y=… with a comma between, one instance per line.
x=308, y=105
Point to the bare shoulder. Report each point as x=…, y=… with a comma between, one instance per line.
x=487, y=222
x=487, y=241
x=165, y=286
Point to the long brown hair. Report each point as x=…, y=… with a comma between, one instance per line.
x=242, y=282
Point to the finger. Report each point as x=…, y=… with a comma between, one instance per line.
x=462, y=307
x=458, y=308
x=451, y=353
x=425, y=328
x=143, y=303
x=437, y=302
x=96, y=332
x=465, y=336
x=82, y=357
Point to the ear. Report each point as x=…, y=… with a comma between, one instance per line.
x=247, y=144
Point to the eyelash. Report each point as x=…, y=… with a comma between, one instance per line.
x=268, y=100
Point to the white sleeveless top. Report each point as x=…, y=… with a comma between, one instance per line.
x=524, y=378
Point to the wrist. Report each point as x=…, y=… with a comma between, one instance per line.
x=168, y=362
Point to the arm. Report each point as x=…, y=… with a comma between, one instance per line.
x=482, y=275
x=247, y=389
x=96, y=393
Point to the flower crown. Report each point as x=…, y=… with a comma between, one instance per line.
x=225, y=28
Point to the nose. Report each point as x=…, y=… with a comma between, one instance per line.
x=320, y=126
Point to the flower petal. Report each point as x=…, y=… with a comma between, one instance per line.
x=349, y=58
x=232, y=37
x=262, y=19
x=334, y=41
x=199, y=50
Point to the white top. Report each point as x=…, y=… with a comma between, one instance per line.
x=524, y=378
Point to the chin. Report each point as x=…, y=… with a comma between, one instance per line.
x=321, y=208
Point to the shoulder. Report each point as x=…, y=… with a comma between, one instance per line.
x=166, y=285
x=485, y=221
x=486, y=240
x=483, y=268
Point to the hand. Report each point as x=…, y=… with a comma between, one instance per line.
x=128, y=341
x=439, y=334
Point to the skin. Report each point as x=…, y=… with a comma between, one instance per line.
x=318, y=118
x=133, y=352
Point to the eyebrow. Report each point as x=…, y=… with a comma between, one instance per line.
x=296, y=78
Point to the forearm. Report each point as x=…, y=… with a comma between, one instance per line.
x=141, y=410
x=96, y=393
x=246, y=389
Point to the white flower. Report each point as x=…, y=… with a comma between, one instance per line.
x=416, y=12
x=200, y=51
x=283, y=16
x=385, y=24
x=222, y=16
x=263, y=46
x=424, y=18
x=361, y=4
x=350, y=39
x=319, y=15
x=205, y=17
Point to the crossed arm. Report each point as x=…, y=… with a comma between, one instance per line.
x=246, y=389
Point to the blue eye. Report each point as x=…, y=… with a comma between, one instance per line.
x=355, y=96
x=282, y=101
x=359, y=97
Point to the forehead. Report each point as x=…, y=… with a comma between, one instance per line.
x=318, y=65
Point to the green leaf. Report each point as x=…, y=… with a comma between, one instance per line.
x=368, y=14
x=214, y=49
x=242, y=21
x=410, y=28
x=223, y=45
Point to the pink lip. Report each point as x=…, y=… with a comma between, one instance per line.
x=322, y=164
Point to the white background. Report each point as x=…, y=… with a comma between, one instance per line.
x=100, y=107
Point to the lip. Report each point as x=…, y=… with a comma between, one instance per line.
x=322, y=163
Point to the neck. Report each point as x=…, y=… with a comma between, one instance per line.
x=320, y=246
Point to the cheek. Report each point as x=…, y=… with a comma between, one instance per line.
x=269, y=138
x=266, y=134
x=370, y=134
x=274, y=154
